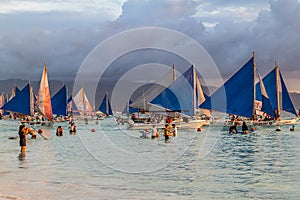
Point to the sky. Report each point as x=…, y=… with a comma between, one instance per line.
x=62, y=33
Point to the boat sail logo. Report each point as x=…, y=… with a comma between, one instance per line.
x=141, y=60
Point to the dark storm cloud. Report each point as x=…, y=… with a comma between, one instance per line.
x=272, y=35
x=62, y=40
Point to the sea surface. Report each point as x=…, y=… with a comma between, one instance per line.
x=114, y=163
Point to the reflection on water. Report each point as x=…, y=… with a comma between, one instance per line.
x=261, y=165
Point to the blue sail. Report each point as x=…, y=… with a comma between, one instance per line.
x=17, y=90
x=105, y=106
x=168, y=100
x=179, y=95
x=262, y=96
x=270, y=84
x=59, y=102
x=129, y=109
x=236, y=95
x=21, y=102
x=287, y=103
x=258, y=95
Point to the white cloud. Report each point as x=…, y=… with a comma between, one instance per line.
x=109, y=8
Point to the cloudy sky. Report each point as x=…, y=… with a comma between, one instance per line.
x=63, y=32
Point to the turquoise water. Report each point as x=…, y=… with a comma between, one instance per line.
x=113, y=163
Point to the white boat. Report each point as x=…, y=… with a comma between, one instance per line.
x=183, y=96
x=193, y=124
x=240, y=96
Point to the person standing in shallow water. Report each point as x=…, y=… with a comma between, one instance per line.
x=167, y=133
x=23, y=138
x=73, y=129
x=59, y=131
x=245, y=128
x=174, y=130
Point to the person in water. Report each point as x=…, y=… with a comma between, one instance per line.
x=59, y=131
x=145, y=133
x=167, y=133
x=73, y=128
x=293, y=128
x=155, y=133
x=174, y=130
x=278, y=129
x=23, y=138
x=233, y=129
x=245, y=128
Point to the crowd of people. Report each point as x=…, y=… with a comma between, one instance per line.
x=25, y=131
x=168, y=132
x=245, y=130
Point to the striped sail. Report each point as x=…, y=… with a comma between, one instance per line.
x=44, y=98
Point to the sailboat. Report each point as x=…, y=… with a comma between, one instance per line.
x=22, y=102
x=262, y=98
x=59, y=102
x=240, y=93
x=43, y=101
x=71, y=107
x=141, y=101
x=105, y=106
x=237, y=95
x=83, y=105
x=280, y=100
x=183, y=96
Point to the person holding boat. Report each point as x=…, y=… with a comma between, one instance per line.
x=245, y=128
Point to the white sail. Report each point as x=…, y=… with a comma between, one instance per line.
x=82, y=103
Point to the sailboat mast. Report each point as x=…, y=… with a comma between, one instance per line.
x=106, y=104
x=174, y=74
x=83, y=101
x=277, y=89
x=31, y=97
x=194, y=92
x=254, y=87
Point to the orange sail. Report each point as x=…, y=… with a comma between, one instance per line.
x=43, y=98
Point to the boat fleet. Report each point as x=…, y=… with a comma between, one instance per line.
x=244, y=97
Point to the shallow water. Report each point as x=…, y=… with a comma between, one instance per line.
x=113, y=163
